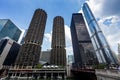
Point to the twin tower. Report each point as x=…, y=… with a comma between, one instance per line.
x=29, y=53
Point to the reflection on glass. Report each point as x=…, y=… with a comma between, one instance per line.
x=101, y=46
x=9, y=29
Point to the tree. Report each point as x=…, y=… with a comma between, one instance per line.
x=38, y=66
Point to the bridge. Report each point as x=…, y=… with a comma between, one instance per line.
x=95, y=74
x=83, y=74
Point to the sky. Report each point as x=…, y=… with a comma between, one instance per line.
x=107, y=13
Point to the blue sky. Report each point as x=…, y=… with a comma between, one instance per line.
x=21, y=11
x=106, y=11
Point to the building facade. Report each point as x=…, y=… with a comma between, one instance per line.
x=8, y=52
x=29, y=53
x=84, y=53
x=58, y=52
x=45, y=56
x=118, y=53
x=70, y=59
x=101, y=46
x=9, y=29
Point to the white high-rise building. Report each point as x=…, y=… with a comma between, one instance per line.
x=8, y=52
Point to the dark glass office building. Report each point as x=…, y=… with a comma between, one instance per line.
x=8, y=52
x=58, y=52
x=29, y=53
x=101, y=46
x=84, y=53
x=9, y=29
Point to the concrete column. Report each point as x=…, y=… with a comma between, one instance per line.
x=38, y=76
x=32, y=75
x=51, y=76
x=64, y=76
x=15, y=74
x=45, y=76
x=19, y=75
x=58, y=75
x=12, y=74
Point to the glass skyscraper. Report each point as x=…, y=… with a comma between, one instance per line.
x=102, y=48
x=84, y=53
x=9, y=29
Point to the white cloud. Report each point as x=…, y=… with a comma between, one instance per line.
x=96, y=6
x=103, y=8
x=80, y=11
x=112, y=33
x=48, y=36
x=67, y=35
x=69, y=49
x=21, y=36
x=47, y=41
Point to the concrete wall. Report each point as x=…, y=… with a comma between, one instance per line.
x=104, y=74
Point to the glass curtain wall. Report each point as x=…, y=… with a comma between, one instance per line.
x=103, y=51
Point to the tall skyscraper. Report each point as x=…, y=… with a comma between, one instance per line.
x=119, y=52
x=58, y=52
x=82, y=47
x=8, y=52
x=9, y=29
x=30, y=51
x=102, y=48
